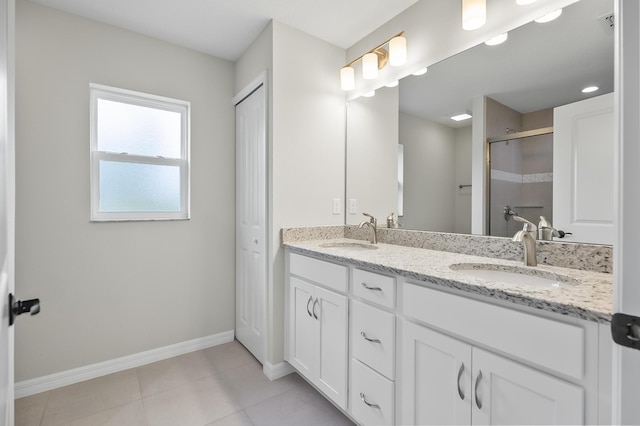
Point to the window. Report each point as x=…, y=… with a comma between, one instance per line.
x=139, y=156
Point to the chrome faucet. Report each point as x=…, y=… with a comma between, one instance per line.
x=527, y=237
x=372, y=223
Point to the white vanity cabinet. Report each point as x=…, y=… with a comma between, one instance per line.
x=318, y=325
x=446, y=381
x=391, y=351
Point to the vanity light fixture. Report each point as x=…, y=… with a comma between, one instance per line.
x=421, y=71
x=549, y=17
x=376, y=59
x=590, y=89
x=474, y=14
x=461, y=117
x=499, y=39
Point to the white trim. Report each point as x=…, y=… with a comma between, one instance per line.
x=261, y=79
x=274, y=372
x=69, y=377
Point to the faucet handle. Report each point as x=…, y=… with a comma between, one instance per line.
x=371, y=218
x=527, y=225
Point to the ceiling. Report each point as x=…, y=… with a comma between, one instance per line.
x=540, y=66
x=225, y=28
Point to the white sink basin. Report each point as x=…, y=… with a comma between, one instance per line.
x=348, y=245
x=514, y=275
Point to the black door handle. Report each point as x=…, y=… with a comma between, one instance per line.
x=19, y=307
x=625, y=330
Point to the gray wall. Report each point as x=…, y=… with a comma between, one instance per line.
x=114, y=289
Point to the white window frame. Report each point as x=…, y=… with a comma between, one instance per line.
x=97, y=92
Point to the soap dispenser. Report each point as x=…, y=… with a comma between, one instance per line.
x=545, y=230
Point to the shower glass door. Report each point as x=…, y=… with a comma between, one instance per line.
x=521, y=181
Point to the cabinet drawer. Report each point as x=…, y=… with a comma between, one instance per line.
x=374, y=287
x=318, y=271
x=378, y=326
x=543, y=341
x=371, y=396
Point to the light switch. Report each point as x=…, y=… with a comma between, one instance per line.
x=336, y=206
x=353, y=206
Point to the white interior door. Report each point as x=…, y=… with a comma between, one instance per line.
x=583, y=169
x=626, y=269
x=251, y=230
x=7, y=206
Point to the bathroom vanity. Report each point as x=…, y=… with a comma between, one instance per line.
x=402, y=335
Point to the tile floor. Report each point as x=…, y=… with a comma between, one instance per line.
x=222, y=386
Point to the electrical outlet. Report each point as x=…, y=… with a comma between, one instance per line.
x=353, y=206
x=336, y=206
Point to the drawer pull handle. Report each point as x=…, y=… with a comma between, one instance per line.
x=362, y=333
x=364, y=399
x=371, y=288
x=314, y=309
x=309, y=301
x=459, y=376
x=478, y=403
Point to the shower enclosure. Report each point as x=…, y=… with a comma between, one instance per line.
x=520, y=165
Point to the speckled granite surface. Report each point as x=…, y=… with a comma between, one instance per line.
x=590, y=299
x=588, y=257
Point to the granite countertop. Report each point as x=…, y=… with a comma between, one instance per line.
x=591, y=298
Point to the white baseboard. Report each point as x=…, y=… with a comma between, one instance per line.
x=274, y=372
x=69, y=377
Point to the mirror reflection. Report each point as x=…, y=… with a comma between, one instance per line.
x=510, y=89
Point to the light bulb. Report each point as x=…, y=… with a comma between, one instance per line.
x=397, y=51
x=474, y=14
x=370, y=66
x=499, y=39
x=347, y=78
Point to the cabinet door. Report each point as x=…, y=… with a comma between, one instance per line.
x=435, y=378
x=510, y=393
x=331, y=352
x=301, y=327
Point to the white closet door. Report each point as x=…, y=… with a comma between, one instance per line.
x=251, y=231
x=583, y=169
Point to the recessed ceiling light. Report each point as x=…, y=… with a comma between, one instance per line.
x=369, y=94
x=499, y=39
x=524, y=2
x=590, y=89
x=420, y=71
x=392, y=84
x=549, y=17
x=461, y=117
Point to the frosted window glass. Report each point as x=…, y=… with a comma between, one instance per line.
x=138, y=130
x=131, y=187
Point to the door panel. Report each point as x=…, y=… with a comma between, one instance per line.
x=302, y=326
x=7, y=205
x=251, y=234
x=436, y=378
x=331, y=361
x=508, y=393
x=626, y=268
x=583, y=165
